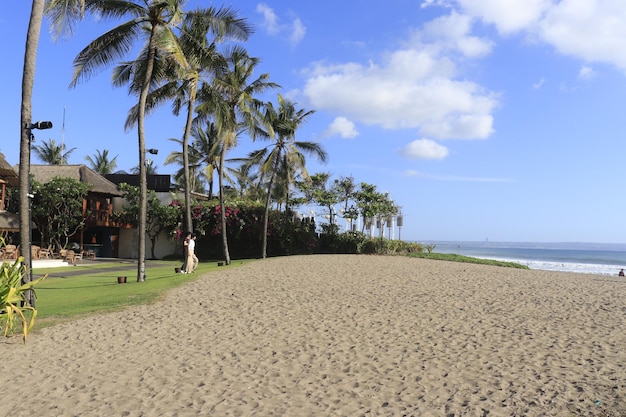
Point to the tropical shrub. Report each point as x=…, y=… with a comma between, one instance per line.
x=15, y=307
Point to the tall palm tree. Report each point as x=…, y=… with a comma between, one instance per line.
x=230, y=101
x=26, y=110
x=153, y=21
x=285, y=156
x=207, y=146
x=195, y=65
x=52, y=153
x=194, y=167
x=66, y=11
x=101, y=162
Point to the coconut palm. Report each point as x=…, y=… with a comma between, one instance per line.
x=154, y=21
x=285, y=156
x=196, y=64
x=26, y=110
x=196, y=173
x=101, y=162
x=230, y=101
x=52, y=153
x=62, y=13
x=151, y=168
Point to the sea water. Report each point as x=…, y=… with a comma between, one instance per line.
x=588, y=258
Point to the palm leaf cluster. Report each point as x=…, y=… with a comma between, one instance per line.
x=193, y=61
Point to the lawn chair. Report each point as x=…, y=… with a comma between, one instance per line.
x=9, y=252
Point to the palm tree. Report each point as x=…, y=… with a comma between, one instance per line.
x=26, y=110
x=151, y=168
x=195, y=64
x=62, y=12
x=154, y=21
x=101, y=163
x=285, y=156
x=196, y=174
x=231, y=101
x=52, y=153
x=207, y=146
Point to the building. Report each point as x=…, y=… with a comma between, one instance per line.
x=9, y=222
x=100, y=233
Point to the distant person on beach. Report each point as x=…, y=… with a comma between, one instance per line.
x=621, y=273
x=192, y=259
x=186, y=240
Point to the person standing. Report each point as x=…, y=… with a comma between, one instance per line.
x=192, y=259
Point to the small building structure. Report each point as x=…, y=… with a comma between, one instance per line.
x=100, y=234
x=9, y=222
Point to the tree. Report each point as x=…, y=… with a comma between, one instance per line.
x=28, y=80
x=151, y=168
x=160, y=218
x=317, y=191
x=57, y=209
x=373, y=205
x=101, y=162
x=154, y=21
x=230, y=100
x=195, y=64
x=285, y=155
x=52, y=153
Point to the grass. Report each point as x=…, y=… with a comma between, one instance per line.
x=467, y=259
x=61, y=299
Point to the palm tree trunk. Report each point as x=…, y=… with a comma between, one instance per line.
x=28, y=80
x=266, y=216
x=222, y=208
x=143, y=180
x=191, y=104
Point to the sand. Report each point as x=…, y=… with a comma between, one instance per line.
x=338, y=336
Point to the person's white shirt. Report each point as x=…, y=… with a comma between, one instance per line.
x=192, y=245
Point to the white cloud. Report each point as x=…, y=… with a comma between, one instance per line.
x=342, y=127
x=452, y=32
x=424, y=149
x=539, y=84
x=411, y=89
x=295, y=31
x=589, y=29
x=270, y=20
x=586, y=73
x=298, y=31
x=507, y=15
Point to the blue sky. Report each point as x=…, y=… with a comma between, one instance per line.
x=483, y=119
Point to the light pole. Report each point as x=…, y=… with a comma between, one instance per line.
x=28, y=253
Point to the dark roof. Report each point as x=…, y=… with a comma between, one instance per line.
x=99, y=184
x=156, y=182
x=8, y=173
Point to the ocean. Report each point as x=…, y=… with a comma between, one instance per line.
x=588, y=258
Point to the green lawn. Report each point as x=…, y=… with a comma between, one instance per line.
x=97, y=290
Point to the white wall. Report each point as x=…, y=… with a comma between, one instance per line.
x=128, y=243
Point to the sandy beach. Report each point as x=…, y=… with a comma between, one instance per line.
x=338, y=336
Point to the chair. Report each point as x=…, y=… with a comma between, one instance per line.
x=67, y=255
x=9, y=252
x=89, y=254
x=78, y=256
x=45, y=253
x=34, y=251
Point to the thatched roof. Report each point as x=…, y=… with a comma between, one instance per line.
x=9, y=222
x=8, y=173
x=99, y=184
